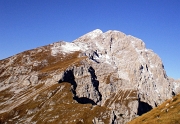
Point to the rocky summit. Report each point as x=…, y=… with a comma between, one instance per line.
x=99, y=78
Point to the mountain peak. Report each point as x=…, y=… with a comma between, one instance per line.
x=97, y=31
x=100, y=77
x=90, y=35
x=94, y=33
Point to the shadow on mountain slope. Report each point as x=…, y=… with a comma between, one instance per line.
x=143, y=107
x=69, y=77
x=94, y=81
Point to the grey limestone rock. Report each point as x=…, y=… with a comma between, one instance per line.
x=118, y=72
x=122, y=62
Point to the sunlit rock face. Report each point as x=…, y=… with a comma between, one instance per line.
x=100, y=77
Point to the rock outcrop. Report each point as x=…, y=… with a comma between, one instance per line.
x=110, y=75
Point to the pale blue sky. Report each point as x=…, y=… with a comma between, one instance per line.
x=27, y=24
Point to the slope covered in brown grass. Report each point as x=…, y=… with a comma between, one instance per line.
x=166, y=113
x=53, y=104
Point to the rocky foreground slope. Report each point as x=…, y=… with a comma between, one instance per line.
x=98, y=78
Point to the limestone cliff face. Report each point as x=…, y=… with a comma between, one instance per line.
x=111, y=75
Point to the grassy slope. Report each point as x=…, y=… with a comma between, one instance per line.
x=166, y=113
x=54, y=104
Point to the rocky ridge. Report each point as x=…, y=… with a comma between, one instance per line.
x=110, y=74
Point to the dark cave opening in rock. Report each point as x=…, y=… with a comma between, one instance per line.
x=69, y=77
x=84, y=100
x=143, y=107
x=173, y=93
x=94, y=81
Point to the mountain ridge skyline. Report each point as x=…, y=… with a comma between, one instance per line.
x=33, y=23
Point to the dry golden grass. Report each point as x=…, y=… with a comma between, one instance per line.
x=4, y=77
x=52, y=104
x=63, y=63
x=123, y=97
x=59, y=107
x=166, y=113
x=108, y=79
x=60, y=61
x=4, y=96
